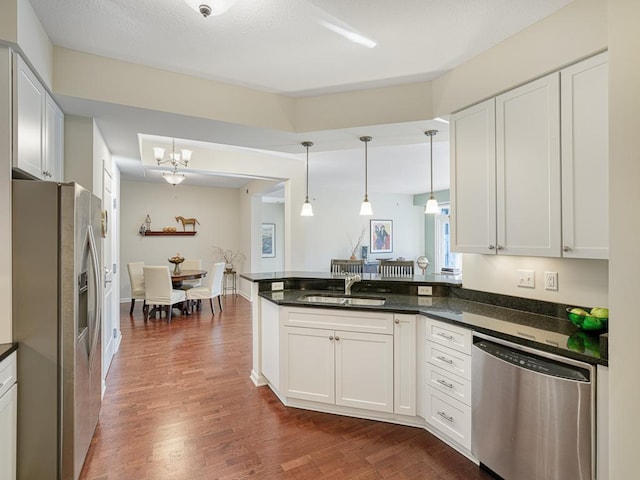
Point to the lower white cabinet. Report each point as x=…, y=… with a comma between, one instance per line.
x=8, y=417
x=404, y=364
x=345, y=365
x=447, y=381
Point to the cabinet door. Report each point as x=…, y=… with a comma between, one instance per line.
x=28, y=113
x=53, y=164
x=270, y=342
x=473, y=179
x=528, y=169
x=8, y=426
x=585, y=154
x=364, y=370
x=404, y=364
x=308, y=370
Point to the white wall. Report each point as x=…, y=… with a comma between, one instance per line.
x=337, y=224
x=624, y=176
x=5, y=194
x=34, y=42
x=274, y=213
x=217, y=210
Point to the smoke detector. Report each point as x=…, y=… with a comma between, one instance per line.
x=204, y=9
x=211, y=8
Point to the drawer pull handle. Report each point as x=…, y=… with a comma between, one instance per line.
x=6, y=382
x=397, y=321
x=446, y=417
x=445, y=359
x=444, y=384
x=446, y=336
x=492, y=247
x=337, y=338
x=331, y=338
x=526, y=335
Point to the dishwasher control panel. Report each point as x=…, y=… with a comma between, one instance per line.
x=531, y=362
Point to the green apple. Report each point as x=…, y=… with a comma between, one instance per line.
x=579, y=311
x=600, y=312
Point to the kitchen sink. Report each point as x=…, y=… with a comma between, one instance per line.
x=340, y=300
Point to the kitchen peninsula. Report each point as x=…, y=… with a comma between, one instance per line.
x=387, y=353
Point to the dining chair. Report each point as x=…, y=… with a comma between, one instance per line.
x=191, y=264
x=346, y=266
x=136, y=279
x=159, y=290
x=396, y=268
x=212, y=287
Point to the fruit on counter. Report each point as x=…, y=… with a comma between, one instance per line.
x=176, y=259
x=600, y=312
x=579, y=311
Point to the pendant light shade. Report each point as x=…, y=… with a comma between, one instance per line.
x=307, y=209
x=365, y=208
x=432, y=204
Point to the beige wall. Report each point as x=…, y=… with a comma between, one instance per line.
x=5, y=194
x=624, y=177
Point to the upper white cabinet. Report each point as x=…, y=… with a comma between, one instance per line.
x=585, y=153
x=528, y=169
x=519, y=162
x=38, y=136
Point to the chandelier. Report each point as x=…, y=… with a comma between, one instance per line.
x=175, y=159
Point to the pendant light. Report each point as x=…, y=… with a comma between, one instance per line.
x=365, y=208
x=432, y=203
x=307, y=209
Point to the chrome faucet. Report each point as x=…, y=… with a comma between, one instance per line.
x=349, y=280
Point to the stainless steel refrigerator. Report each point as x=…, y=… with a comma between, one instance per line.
x=57, y=309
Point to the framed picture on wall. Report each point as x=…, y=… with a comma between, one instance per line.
x=381, y=236
x=268, y=240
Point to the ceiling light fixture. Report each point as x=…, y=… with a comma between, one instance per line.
x=210, y=7
x=175, y=159
x=432, y=203
x=307, y=209
x=365, y=208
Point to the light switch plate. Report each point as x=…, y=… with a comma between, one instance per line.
x=526, y=278
x=425, y=290
x=277, y=286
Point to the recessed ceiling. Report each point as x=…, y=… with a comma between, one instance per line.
x=285, y=46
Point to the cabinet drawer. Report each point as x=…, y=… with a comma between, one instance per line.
x=456, y=387
x=449, y=360
x=449, y=335
x=369, y=322
x=8, y=373
x=449, y=416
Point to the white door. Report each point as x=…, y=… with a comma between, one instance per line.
x=528, y=169
x=110, y=313
x=364, y=370
x=308, y=370
x=473, y=179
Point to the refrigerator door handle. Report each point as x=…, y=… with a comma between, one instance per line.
x=98, y=293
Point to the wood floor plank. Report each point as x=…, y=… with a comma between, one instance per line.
x=179, y=404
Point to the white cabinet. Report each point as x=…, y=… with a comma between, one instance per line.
x=270, y=342
x=524, y=165
x=404, y=364
x=585, y=153
x=528, y=169
x=447, y=381
x=8, y=417
x=38, y=136
x=505, y=161
x=343, y=363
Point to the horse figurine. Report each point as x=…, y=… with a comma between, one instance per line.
x=187, y=221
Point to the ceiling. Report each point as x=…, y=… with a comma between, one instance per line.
x=289, y=47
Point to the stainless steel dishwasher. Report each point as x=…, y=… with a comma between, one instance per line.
x=533, y=412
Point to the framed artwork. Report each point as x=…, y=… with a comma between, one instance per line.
x=268, y=240
x=381, y=237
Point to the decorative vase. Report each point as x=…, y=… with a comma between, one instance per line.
x=176, y=269
x=352, y=257
x=229, y=267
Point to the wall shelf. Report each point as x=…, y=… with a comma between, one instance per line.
x=151, y=233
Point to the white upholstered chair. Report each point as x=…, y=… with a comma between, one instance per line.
x=191, y=264
x=136, y=278
x=212, y=287
x=159, y=290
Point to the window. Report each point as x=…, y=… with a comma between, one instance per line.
x=444, y=256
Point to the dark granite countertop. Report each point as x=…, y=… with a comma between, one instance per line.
x=7, y=349
x=428, y=278
x=546, y=331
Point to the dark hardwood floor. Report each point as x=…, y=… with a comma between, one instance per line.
x=179, y=404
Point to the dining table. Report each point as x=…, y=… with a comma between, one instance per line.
x=178, y=278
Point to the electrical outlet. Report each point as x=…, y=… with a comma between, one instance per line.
x=425, y=290
x=277, y=286
x=551, y=281
x=526, y=278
